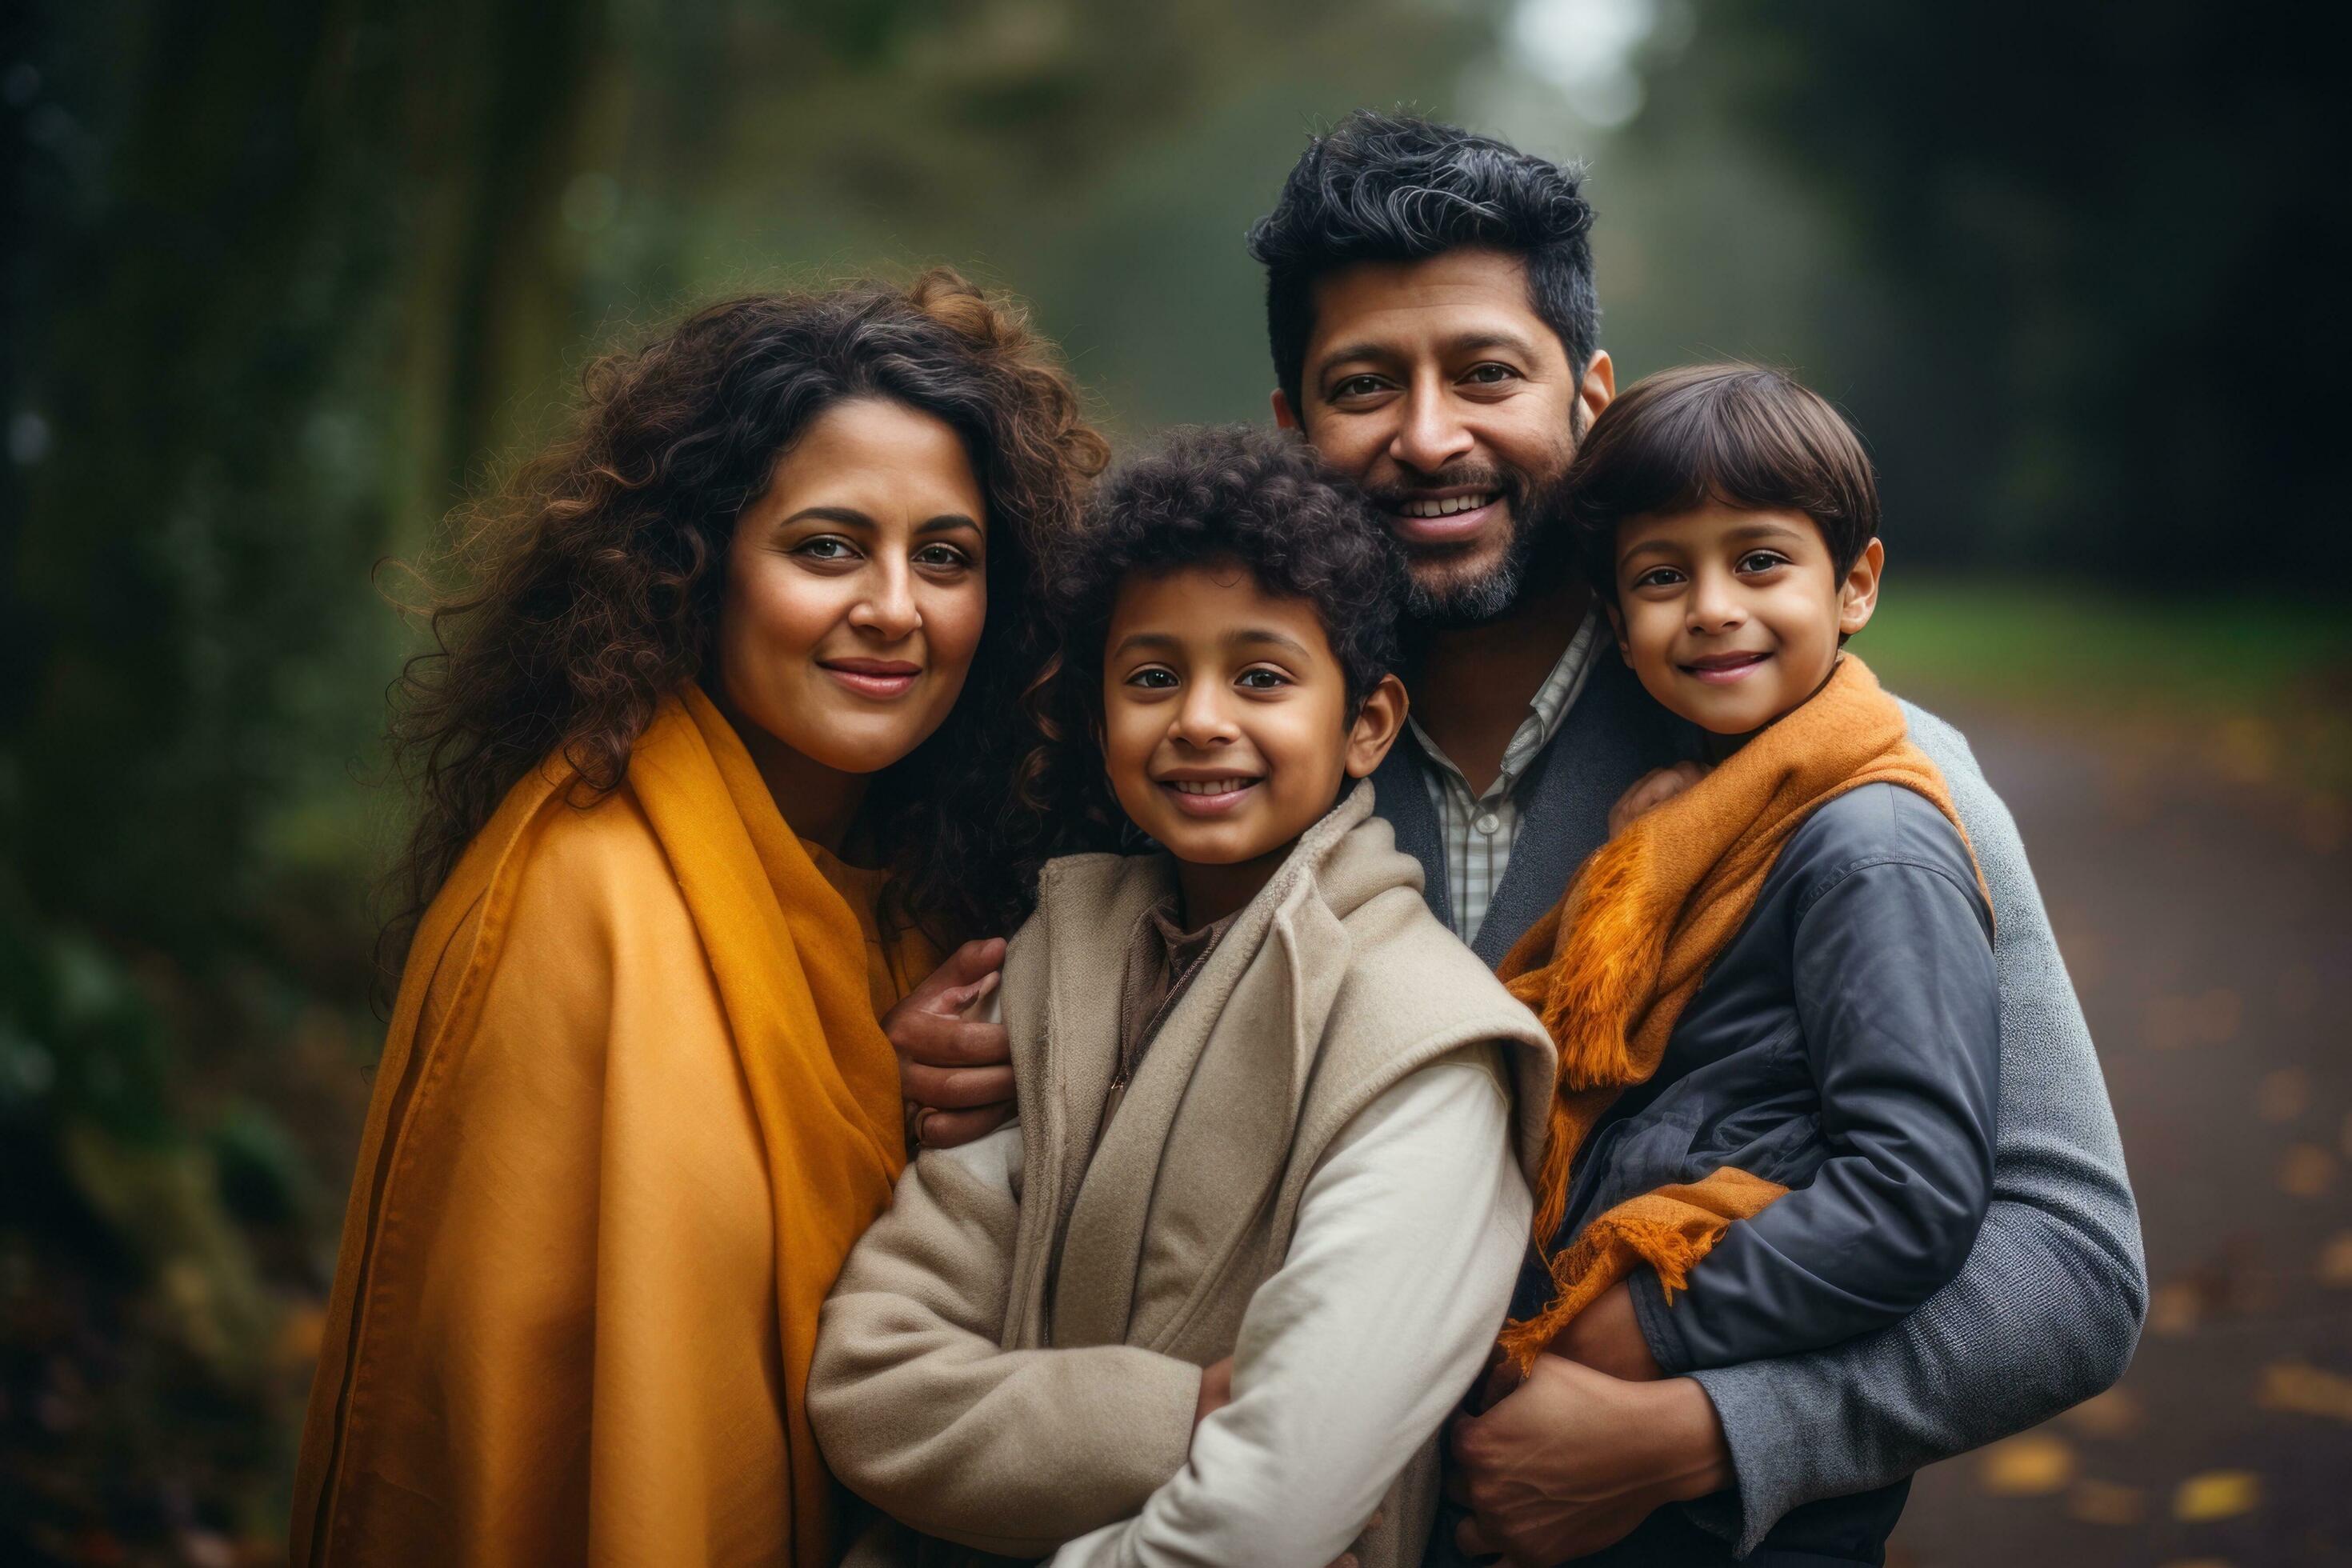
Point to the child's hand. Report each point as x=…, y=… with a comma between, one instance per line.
x=1607, y=1337
x=1649, y=791
x=1216, y=1390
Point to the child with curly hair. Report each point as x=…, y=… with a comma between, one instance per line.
x=1212, y=1297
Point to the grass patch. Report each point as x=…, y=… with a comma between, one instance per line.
x=2045, y=646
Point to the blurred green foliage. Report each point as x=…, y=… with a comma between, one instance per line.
x=283, y=279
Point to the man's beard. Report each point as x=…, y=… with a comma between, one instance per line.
x=1535, y=551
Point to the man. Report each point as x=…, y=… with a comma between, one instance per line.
x=1434, y=331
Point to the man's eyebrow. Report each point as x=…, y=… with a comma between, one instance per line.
x=1345, y=353
x=1493, y=338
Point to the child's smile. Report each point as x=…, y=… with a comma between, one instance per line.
x=1226, y=727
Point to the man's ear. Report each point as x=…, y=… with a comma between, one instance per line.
x=1378, y=724
x=1858, y=594
x=1599, y=387
x=1286, y=418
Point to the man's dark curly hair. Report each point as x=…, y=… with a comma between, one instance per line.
x=1391, y=187
x=591, y=579
x=1257, y=499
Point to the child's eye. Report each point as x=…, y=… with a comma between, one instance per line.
x=1152, y=677
x=1261, y=680
x=1658, y=577
x=1759, y=561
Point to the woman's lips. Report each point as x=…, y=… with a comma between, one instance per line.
x=875, y=678
x=1215, y=802
x=1726, y=669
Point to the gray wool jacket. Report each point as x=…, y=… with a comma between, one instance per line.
x=2047, y=1310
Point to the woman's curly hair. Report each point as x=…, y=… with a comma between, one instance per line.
x=596, y=571
x=1259, y=499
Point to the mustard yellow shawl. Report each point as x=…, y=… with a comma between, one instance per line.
x=1610, y=967
x=633, y=1111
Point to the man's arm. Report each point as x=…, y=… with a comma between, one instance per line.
x=1409, y=1237
x=921, y=1411
x=2048, y=1308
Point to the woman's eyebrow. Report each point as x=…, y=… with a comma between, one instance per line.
x=948, y=522
x=847, y=517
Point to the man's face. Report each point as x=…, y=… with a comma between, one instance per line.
x=1436, y=387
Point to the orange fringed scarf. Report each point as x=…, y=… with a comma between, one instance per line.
x=1611, y=966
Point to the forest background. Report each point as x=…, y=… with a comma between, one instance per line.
x=284, y=279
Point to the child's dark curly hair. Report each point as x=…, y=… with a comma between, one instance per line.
x=1257, y=498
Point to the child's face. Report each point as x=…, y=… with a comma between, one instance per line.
x=1731, y=618
x=1225, y=725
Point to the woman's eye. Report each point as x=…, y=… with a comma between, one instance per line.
x=1262, y=679
x=1759, y=560
x=1152, y=678
x=825, y=547
x=942, y=555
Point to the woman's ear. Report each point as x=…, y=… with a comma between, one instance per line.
x=1858, y=594
x=1379, y=722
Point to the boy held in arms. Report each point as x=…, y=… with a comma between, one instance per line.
x=1209, y=1299
x=1772, y=989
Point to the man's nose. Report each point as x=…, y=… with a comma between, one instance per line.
x=1431, y=434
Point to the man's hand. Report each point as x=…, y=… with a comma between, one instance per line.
x=1575, y=1458
x=955, y=1075
x=1607, y=1337
x=1651, y=790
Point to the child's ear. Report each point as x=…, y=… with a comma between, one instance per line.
x=1858, y=595
x=1378, y=724
x=1617, y=629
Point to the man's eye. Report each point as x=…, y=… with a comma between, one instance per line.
x=1358, y=386
x=1492, y=374
x=1153, y=678
x=1757, y=561
x=1262, y=679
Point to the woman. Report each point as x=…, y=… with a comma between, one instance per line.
x=754, y=625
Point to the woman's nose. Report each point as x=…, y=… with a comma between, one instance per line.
x=888, y=608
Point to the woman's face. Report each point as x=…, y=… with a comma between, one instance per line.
x=856, y=588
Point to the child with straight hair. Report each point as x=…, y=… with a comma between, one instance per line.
x=1772, y=989
x=1210, y=1297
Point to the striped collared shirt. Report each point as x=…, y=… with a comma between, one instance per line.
x=1479, y=830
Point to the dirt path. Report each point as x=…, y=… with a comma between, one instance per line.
x=2207, y=926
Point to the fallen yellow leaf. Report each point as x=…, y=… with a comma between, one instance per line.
x=2031, y=1465
x=2217, y=1494
x=2281, y=1096
x=2306, y=1171
x=2104, y=1502
x=2304, y=1390
x=2114, y=1413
